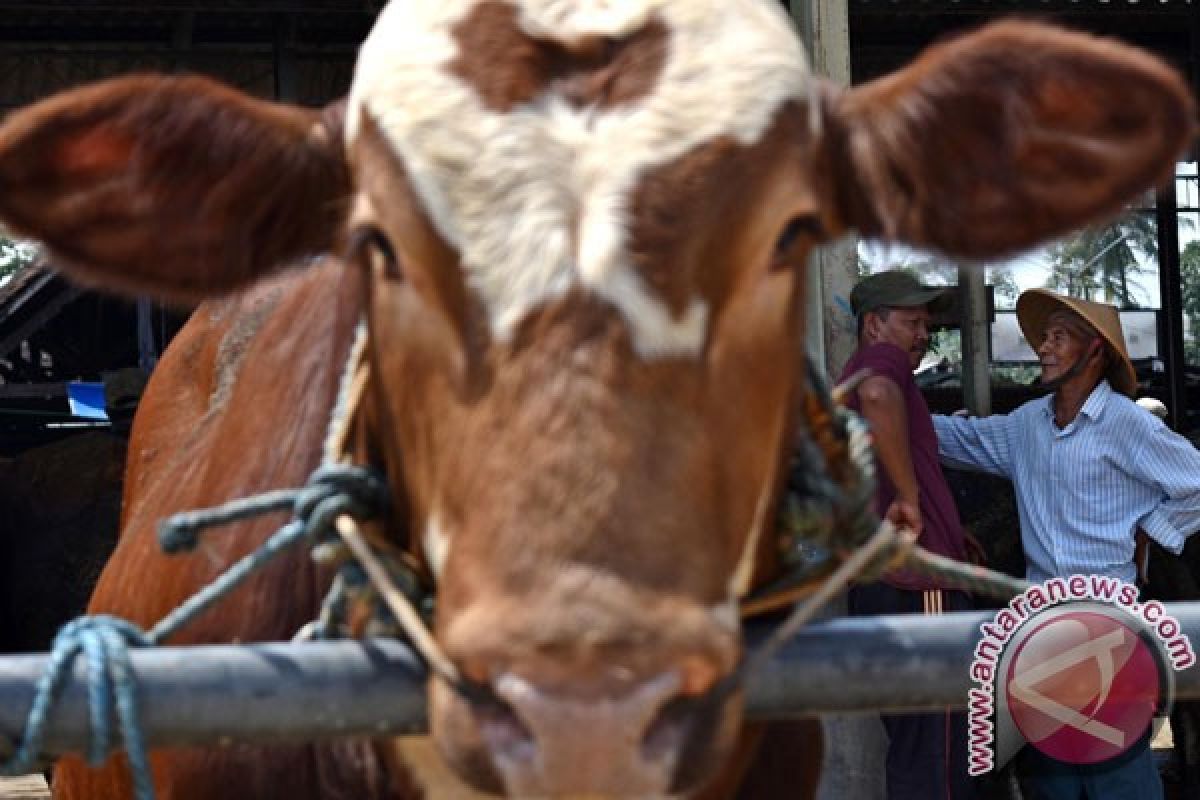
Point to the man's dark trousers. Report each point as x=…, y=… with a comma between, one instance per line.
x=927, y=753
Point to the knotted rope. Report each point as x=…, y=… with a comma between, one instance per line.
x=828, y=527
x=324, y=513
x=333, y=492
x=104, y=641
x=849, y=501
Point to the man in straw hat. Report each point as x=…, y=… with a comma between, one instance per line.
x=1089, y=468
x=927, y=753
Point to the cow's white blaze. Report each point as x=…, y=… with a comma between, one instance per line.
x=537, y=200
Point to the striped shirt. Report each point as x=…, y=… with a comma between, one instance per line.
x=1083, y=490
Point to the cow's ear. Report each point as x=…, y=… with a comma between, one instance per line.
x=1000, y=139
x=173, y=186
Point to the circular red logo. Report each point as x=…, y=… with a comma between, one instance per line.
x=1083, y=687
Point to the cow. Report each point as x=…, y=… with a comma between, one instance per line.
x=577, y=233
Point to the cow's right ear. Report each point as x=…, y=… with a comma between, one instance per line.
x=998, y=140
x=173, y=186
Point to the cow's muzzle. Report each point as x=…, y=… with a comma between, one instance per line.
x=644, y=738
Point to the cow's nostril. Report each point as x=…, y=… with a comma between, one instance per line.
x=667, y=733
x=686, y=731
x=504, y=733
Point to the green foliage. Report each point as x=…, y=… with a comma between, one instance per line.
x=1005, y=285
x=947, y=344
x=15, y=255
x=1097, y=263
x=1189, y=273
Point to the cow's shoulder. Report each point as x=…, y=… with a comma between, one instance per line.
x=239, y=405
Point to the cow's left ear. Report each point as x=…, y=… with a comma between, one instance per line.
x=1001, y=139
x=172, y=186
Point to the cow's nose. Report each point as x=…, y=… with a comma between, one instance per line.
x=626, y=743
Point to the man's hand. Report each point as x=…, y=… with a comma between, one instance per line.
x=904, y=514
x=975, y=553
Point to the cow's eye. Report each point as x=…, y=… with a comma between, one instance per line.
x=369, y=246
x=803, y=227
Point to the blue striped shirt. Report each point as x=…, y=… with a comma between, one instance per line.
x=1083, y=490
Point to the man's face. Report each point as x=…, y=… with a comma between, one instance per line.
x=907, y=328
x=1060, y=350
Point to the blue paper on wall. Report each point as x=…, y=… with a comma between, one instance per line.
x=86, y=399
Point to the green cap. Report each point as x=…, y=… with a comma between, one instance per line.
x=897, y=289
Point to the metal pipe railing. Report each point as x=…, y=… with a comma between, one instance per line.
x=319, y=690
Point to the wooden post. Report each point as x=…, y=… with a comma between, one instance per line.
x=833, y=269
x=977, y=385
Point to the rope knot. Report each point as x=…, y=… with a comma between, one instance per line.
x=363, y=490
x=104, y=641
x=336, y=489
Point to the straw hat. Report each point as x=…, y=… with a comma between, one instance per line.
x=1035, y=306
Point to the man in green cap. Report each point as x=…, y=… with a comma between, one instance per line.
x=926, y=755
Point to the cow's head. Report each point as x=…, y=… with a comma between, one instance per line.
x=583, y=228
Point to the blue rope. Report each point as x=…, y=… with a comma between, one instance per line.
x=352, y=587
x=104, y=641
x=362, y=490
x=226, y=582
x=332, y=490
x=181, y=533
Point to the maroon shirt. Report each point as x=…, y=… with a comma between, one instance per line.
x=942, y=533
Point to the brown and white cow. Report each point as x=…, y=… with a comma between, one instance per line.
x=578, y=232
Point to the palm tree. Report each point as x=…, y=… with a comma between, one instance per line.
x=1189, y=273
x=1097, y=263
